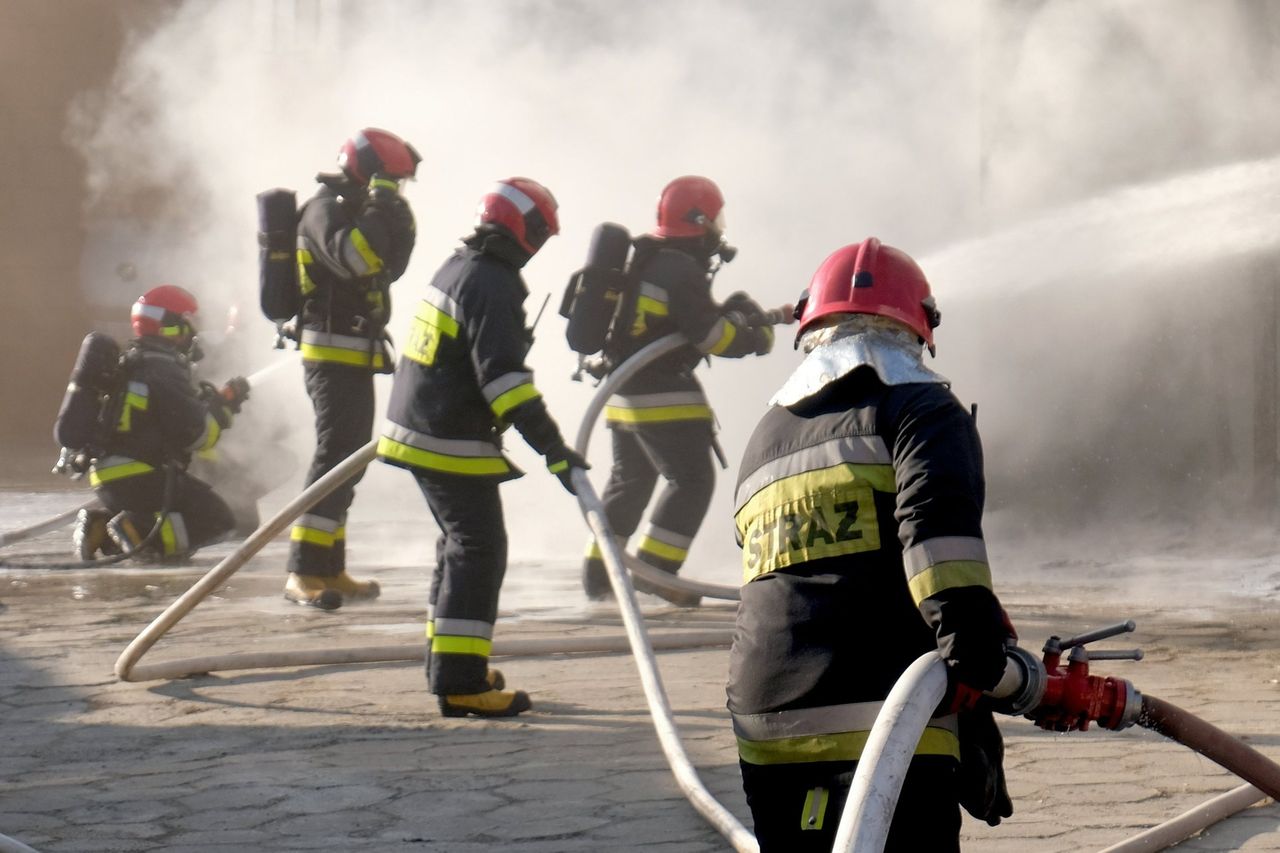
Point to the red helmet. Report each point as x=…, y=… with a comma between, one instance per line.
x=870, y=278
x=377, y=152
x=690, y=207
x=166, y=312
x=523, y=207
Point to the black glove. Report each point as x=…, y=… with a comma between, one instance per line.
x=561, y=461
x=743, y=304
x=764, y=339
x=235, y=392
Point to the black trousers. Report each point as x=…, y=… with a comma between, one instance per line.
x=797, y=807
x=471, y=561
x=197, y=516
x=679, y=452
x=342, y=397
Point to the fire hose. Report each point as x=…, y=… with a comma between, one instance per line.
x=1059, y=698
x=13, y=845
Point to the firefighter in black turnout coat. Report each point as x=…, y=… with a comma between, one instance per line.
x=354, y=238
x=660, y=419
x=460, y=382
x=859, y=511
x=161, y=416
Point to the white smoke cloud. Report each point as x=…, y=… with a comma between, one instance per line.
x=920, y=122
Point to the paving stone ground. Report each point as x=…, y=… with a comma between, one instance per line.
x=357, y=758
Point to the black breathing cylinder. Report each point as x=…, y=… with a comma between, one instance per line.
x=594, y=293
x=93, y=379
x=277, y=244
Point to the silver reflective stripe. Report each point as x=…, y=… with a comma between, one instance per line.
x=713, y=337
x=829, y=719
x=151, y=312
x=445, y=446
x=802, y=722
x=181, y=541
x=668, y=537
x=940, y=549
x=139, y=388
x=650, y=401
x=464, y=628
x=505, y=383
x=437, y=297
x=854, y=449
x=112, y=461
x=515, y=196
x=328, y=339
x=654, y=292
x=317, y=522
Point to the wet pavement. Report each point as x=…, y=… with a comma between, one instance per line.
x=357, y=757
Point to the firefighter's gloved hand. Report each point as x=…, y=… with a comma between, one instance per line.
x=764, y=339
x=235, y=392
x=959, y=696
x=561, y=461
x=739, y=301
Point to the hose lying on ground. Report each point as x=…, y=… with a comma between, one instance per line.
x=61, y=520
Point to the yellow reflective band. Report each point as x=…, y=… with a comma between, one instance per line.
x=815, y=808
x=447, y=644
x=663, y=550
x=557, y=467
x=508, y=400
x=384, y=183
x=841, y=746
x=391, y=449
x=593, y=551
x=370, y=257
x=730, y=332
x=171, y=331
x=168, y=537
x=340, y=534
x=431, y=629
x=312, y=536
x=305, y=284
x=212, y=431
x=656, y=414
x=338, y=355
x=823, y=513
x=117, y=472
x=135, y=401
x=429, y=324
x=649, y=305
x=949, y=575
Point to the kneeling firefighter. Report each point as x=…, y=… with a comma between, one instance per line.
x=133, y=420
x=461, y=381
x=660, y=420
x=859, y=512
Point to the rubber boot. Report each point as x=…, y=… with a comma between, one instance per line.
x=90, y=534
x=312, y=591
x=595, y=580
x=127, y=531
x=491, y=703
x=351, y=589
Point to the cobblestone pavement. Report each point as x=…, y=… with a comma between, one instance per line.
x=357, y=758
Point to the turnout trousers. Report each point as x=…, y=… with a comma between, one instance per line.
x=342, y=396
x=471, y=560
x=197, y=516
x=679, y=451
x=797, y=807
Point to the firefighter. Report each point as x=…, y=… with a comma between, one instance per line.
x=154, y=510
x=660, y=420
x=461, y=380
x=355, y=236
x=859, y=512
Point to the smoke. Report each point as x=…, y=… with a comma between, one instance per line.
x=930, y=125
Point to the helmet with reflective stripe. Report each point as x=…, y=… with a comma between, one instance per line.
x=870, y=278
x=166, y=312
x=377, y=152
x=690, y=206
x=523, y=208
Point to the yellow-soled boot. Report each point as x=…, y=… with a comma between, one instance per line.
x=90, y=534
x=491, y=703
x=494, y=679
x=312, y=590
x=351, y=589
